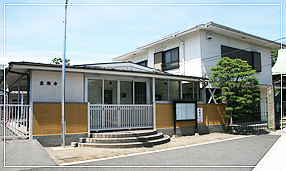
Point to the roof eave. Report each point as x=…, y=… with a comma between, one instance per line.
x=272, y=43
x=52, y=67
x=169, y=37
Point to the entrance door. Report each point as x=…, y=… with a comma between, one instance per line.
x=107, y=96
x=140, y=92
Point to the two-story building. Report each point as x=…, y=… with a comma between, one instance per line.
x=169, y=92
x=193, y=51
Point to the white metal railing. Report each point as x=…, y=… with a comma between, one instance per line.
x=14, y=120
x=106, y=117
x=264, y=110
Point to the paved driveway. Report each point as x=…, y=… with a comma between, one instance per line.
x=227, y=155
x=23, y=153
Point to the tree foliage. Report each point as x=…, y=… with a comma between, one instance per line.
x=239, y=87
x=274, y=55
x=59, y=61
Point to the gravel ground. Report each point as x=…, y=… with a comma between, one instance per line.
x=88, y=153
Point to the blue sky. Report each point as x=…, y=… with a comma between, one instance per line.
x=97, y=33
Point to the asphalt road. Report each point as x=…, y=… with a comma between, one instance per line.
x=239, y=154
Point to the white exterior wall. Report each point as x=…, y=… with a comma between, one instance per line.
x=192, y=54
x=51, y=93
x=211, y=54
x=201, y=54
x=193, y=63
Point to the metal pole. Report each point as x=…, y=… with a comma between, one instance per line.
x=63, y=81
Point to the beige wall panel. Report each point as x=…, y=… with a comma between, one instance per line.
x=215, y=114
x=212, y=115
x=47, y=118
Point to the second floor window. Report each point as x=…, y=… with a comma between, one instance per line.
x=167, y=60
x=252, y=58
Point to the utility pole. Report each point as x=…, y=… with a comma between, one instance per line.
x=63, y=122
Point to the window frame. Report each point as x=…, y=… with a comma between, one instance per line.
x=174, y=64
x=253, y=58
x=180, y=88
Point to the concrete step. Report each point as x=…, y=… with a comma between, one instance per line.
x=123, y=134
x=122, y=139
x=149, y=143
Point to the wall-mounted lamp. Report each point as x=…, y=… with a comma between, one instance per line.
x=209, y=36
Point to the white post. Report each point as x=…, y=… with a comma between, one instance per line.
x=31, y=121
x=154, y=104
x=30, y=115
x=118, y=102
x=88, y=118
x=18, y=102
x=22, y=103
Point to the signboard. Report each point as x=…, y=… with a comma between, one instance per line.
x=200, y=117
x=185, y=111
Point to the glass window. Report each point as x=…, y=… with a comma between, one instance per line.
x=252, y=58
x=158, y=60
x=196, y=90
x=174, y=89
x=202, y=92
x=94, y=91
x=187, y=89
x=140, y=93
x=161, y=90
x=126, y=92
x=257, y=61
x=170, y=59
x=110, y=92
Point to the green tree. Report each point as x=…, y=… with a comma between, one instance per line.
x=274, y=55
x=59, y=61
x=239, y=87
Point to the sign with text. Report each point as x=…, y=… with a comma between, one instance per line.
x=200, y=118
x=185, y=111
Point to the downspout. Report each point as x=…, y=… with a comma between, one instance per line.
x=184, y=59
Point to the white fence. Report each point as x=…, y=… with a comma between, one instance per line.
x=14, y=120
x=264, y=110
x=108, y=117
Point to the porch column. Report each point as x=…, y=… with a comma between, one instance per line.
x=19, y=92
x=30, y=101
x=118, y=102
x=154, y=104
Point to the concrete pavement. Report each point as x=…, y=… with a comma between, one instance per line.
x=24, y=153
x=243, y=152
x=275, y=158
x=238, y=154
